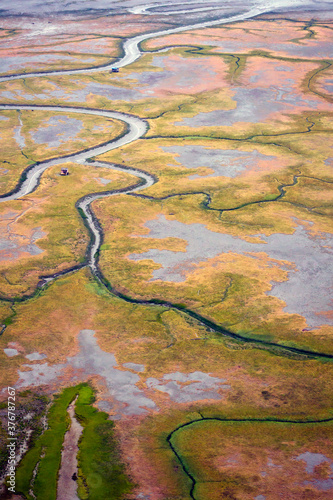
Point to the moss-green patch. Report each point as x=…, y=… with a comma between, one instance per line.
x=101, y=473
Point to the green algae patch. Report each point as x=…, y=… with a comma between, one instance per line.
x=101, y=474
x=31, y=404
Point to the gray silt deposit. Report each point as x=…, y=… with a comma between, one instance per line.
x=19, y=63
x=306, y=292
x=313, y=48
x=11, y=246
x=198, y=386
x=224, y=162
x=135, y=367
x=91, y=360
x=35, y=356
x=313, y=460
x=10, y=352
x=57, y=130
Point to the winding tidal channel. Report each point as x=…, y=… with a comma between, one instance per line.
x=136, y=128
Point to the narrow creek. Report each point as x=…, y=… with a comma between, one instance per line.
x=67, y=487
x=67, y=484
x=136, y=128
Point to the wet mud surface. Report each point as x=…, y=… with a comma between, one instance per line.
x=240, y=43
x=313, y=460
x=197, y=386
x=66, y=485
x=14, y=245
x=124, y=389
x=19, y=63
x=57, y=130
x=174, y=73
x=307, y=258
x=252, y=106
x=119, y=391
x=11, y=352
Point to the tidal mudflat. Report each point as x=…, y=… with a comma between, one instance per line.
x=307, y=258
x=226, y=163
x=120, y=393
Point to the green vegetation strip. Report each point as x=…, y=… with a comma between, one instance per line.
x=101, y=474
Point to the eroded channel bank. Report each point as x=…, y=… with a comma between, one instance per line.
x=136, y=129
x=67, y=485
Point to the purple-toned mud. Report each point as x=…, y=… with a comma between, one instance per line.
x=197, y=386
x=313, y=48
x=57, y=130
x=35, y=356
x=252, y=106
x=120, y=391
x=11, y=246
x=10, y=352
x=312, y=461
x=19, y=63
x=306, y=292
x=179, y=74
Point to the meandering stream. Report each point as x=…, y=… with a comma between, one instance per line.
x=137, y=128
x=131, y=46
